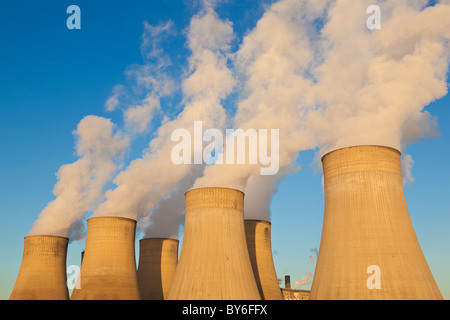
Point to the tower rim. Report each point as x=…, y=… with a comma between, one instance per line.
x=211, y=188
x=45, y=236
x=112, y=217
x=360, y=146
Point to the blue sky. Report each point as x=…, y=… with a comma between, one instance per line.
x=51, y=77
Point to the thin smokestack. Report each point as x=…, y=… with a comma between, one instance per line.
x=367, y=227
x=108, y=271
x=42, y=274
x=214, y=262
x=258, y=235
x=287, y=282
x=158, y=260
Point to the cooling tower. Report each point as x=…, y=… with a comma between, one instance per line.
x=42, y=274
x=258, y=235
x=369, y=249
x=214, y=262
x=158, y=260
x=108, y=271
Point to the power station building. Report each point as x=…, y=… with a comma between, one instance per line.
x=293, y=294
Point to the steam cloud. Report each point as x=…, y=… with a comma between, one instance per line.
x=337, y=84
x=309, y=68
x=304, y=281
x=154, y=177
x=80, y=184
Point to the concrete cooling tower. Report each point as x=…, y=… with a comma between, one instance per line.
x=158, y=260
x=259, y=244
x=214, y=261
x=369, y=249
x=108, y=271
x=42, y=274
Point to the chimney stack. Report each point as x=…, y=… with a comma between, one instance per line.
x=367, y=235
x=258, y=235
x=287, y=282
x=214, y=261
x=158, y=260
x=42, y=274
x=108, y=270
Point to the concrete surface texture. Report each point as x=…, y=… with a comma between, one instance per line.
x=214, y=262
x=108, y=270
x=158, y=260
x=259, y=244
x=42, y=274
x=366, y=224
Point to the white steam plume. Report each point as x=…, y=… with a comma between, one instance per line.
x=311, y=69
x=274, y=59
x=153, y=177
x=149, y=82
x=373, y=85
x=80, y=184
x=339, y=84
x=164, y=221
x=306, y=280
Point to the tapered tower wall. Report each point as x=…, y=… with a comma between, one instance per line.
x=158, y=260
x=259, y=244
x=42, y=274
x=108, y=270
x=366, y=223
x=214, y=262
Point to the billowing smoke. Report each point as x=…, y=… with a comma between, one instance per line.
x=154, y=177
x=306, y=280
x=372, y=86
x=165, y=220
x=147, y=83
x=80, y=184
x=310, y=69
x=320, y=76
x=273, y=60
x=100, y=147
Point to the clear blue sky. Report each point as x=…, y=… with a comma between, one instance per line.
x=51, y=77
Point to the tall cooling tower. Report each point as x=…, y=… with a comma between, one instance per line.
x=108, y=270
x=42, y=274
x=258, y=235
x=369, y=249
x=158, y=260
x=214, y=261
